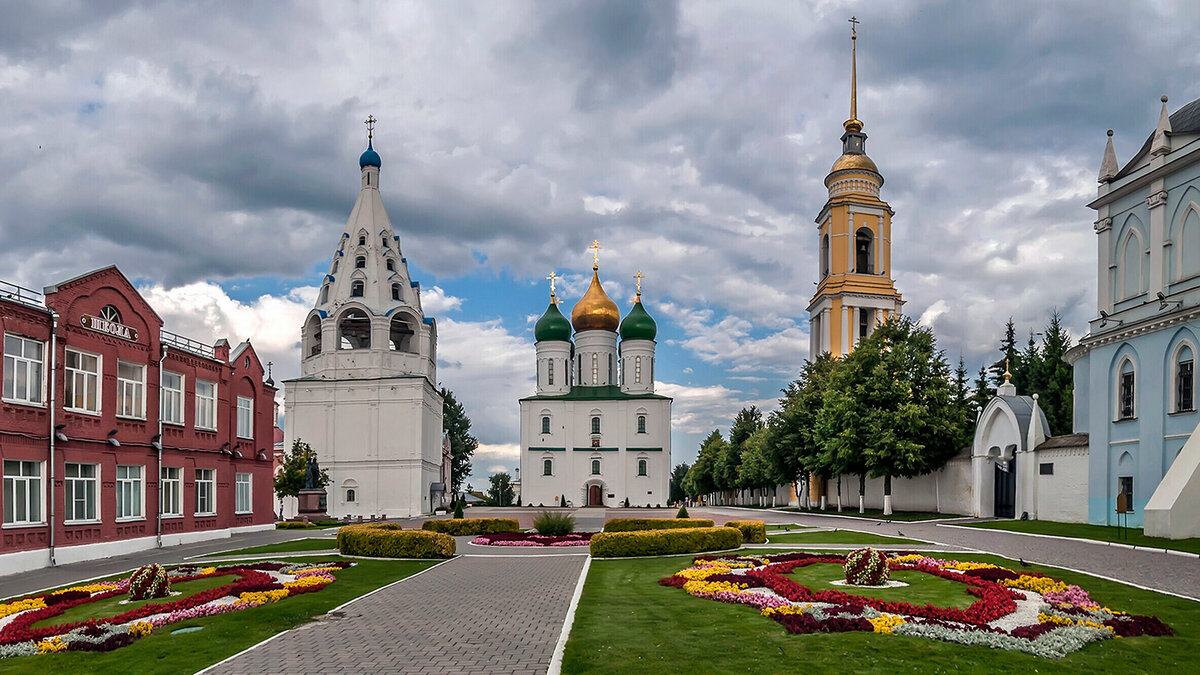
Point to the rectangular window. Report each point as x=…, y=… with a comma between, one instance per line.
x=637, y=370
x=131, y=390
x=245, y=417
x=641, y=424
x=1185, y=385
x=82, y=382
x=129, y=492
x=595, y=369
x=242, y=498
x=641, y=467
x=172, y=398
x=80, y=495
x=170, y=491
x=206, y=405
x=23, y=370
x=1046, y=469
x=206, y=487
x=547, y=467
x=22, y=492
x=595, y=425
x=550, y=372
x=864, y=322
x=545, y=425
x=1125, y=487
x=1126, y=402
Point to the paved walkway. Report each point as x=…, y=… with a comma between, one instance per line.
x=473, y=614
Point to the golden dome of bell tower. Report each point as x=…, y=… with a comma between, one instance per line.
x=855, y=290
x=595, y=310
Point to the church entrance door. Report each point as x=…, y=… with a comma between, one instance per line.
x=595, y=496
x=1005, y=489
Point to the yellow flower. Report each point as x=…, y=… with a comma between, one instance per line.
x=697, y=587
x=886, y=623
x=317, y=569
x=1041, y=585
x=965, y=566
x=909, y=559
x=141, y=628
x=51, y=645
x=91, y=588
x=305, y=582
x=699, y=573
x=786, y=609
x=264, y=597
x=208, y=570
x=21, y=606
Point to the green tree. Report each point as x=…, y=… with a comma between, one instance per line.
x=676, y=492
x=1010, y=357
x=891, y=403
x=462, y=443
x=725, y=475
x=747, y=421
x=501, y=490
x=292, y=477
x=792, y=448
x=700, y=478
x=961, y=396
x=981, y=395
x=755, y=469
x=1056, y=395
x=1029, y=377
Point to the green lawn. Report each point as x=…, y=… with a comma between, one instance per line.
x=922, y=588
x=837, y=537
x=873, y=514
x=627, y=623
x=787, y=527
x=291, y=546
x=112, y=606
x=1083, y=531
x=224, y=634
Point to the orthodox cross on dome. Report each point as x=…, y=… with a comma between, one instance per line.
x=595, y=249
x=1007, y=375
x=270, y=364
x=638, y=280
x=553, y=296
x=370, y=122
x=854, y=67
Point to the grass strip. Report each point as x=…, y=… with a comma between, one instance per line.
x=306, y=544
x=1132, y=536
x=873, y=514
x=838, y=537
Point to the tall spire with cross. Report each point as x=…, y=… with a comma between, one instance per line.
x=853, y=124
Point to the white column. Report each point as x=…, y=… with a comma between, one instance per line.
x=1104, y=281
x=879, y=246
x=845, y=329
x=826, y=343
x=1156, y=201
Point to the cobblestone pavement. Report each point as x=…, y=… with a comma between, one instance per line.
x=1155, y=570
x=473, y=614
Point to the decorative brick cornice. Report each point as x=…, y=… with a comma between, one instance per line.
x=1157, y=199
x=1102, y=225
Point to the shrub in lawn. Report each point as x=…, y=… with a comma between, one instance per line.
x=664, y=542
x=682, y=511
x=554, y=524
x=470, y=527
x=388, y=540
x=634, y=524
x=753, y=531
x=293, y=525
x=866, y=567
x=458, y=508
x=149, y=581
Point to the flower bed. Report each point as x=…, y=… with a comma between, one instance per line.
x=257, y=584
x=1026, y=612
x=532, y=539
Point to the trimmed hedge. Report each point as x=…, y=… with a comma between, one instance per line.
x=294, y=525
x=637, y=524
x=664, y=542
x=470, y=527
x=753, y=531
x=388, y=540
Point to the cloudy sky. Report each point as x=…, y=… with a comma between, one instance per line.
x=209, y=150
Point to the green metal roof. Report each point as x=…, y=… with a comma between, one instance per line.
x=609, y=393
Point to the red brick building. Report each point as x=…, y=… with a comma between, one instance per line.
x=120, y=434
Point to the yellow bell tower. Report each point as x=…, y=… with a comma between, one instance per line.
x=855, y=290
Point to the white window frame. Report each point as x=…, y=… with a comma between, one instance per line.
x=131, y=483
x=210, y=480
x=171, y=399
x=35, y=392
x=1133, y=370
x=170, y=489
x=246, y=506
x=131, y=394
x=202, y=421
x=33, y=487
x=246, y=431
x=91, y=380
x=90, y=485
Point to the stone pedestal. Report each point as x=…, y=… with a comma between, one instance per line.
x=312, y=504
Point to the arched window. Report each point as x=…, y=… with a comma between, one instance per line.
x=637, y=370
x=401, y=336
x=356, y=289
x=550, y=372
x=610, y=368
x=547, y=467
x=312, y=335
x=545, y=424
x=325, y=294
x=864, y=252
x=354, y=330
x=335, y=266
x=350, y=496
x=362, y=238
x=595, y=369
x=391, y=264
x=110, y=313
x=360, y=262
x=595, y=467
x=824, y=256
x=1126, y=394
x=1185, y=380
x=383, y=240
x=1131, y=267
x=641, y=467
x=595, y=424
x=1188, y=256
x=641, y=424
x=395, y=291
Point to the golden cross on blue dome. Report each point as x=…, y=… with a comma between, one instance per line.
x=370, y=122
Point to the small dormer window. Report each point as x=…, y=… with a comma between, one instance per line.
x=335, y=266
x=356, y=289
x=246, y=362
x=395, y=291
x=360, y=262
x=391, y=265
x=384, y=241
x=362, y=240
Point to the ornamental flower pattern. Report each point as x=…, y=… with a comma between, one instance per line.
x=1026, y=612
x=257, y=584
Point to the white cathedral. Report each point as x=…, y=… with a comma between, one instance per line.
x=367, y=399
x=595, y=433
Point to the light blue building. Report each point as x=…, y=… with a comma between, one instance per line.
x=1135, y=382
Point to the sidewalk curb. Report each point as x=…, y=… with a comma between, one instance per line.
x=1098, y=542
x=560, y=647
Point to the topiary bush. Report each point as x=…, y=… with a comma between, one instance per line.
x=458, y=508
x=388, y=540
x=294, y=525
x=753, y=531
x=635, y=524
x=866, y=567
x=469, y=527
x=682, y=511
x=554, y=524
x=150, y=581
x=664, y=542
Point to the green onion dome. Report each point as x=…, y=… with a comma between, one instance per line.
x=553, y=326
x=637, y=324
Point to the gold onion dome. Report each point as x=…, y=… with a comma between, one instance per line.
x=852, y=161
x=595, y=310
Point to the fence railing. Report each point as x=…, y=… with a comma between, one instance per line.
x=187, y=344
x=25, y=296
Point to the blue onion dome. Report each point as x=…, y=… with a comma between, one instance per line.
x=369, y=158
x=638, y=325
x=553, y=326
